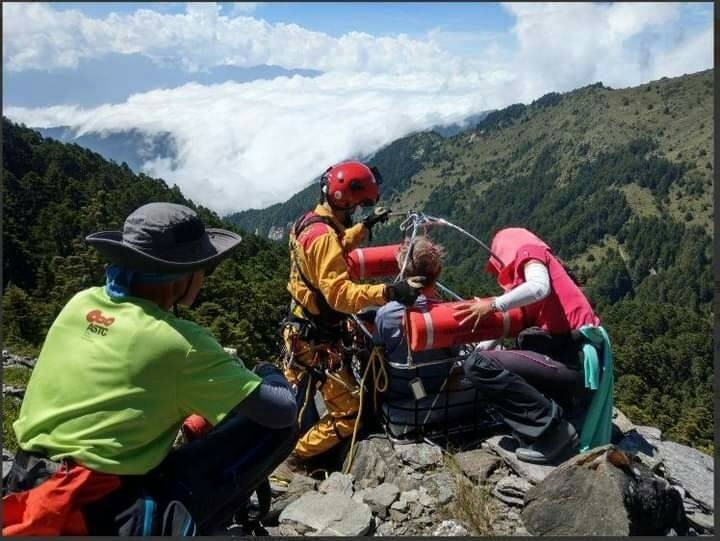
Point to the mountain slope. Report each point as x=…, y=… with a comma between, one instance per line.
x=619, y=182
x=54, y=194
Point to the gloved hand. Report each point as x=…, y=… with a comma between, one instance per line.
x=405, y=292
x=380, y=214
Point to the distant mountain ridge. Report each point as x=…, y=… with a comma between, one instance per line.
x=114, y=77
x=132, y=147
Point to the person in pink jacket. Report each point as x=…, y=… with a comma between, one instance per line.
x=533, y=386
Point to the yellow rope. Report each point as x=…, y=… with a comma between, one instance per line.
x=307, y=398
x=375, y=356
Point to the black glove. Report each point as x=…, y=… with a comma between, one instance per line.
x=380, y=214
x=405, y=292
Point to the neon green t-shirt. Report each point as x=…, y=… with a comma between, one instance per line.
x=115, y=380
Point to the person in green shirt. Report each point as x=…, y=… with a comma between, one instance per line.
x=118, y=374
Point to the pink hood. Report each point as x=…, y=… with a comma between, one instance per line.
x=506, y=243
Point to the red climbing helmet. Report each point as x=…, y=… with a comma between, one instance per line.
x=350, y=183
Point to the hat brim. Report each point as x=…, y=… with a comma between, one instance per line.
x=216, y=245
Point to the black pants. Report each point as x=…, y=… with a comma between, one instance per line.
x=528, y=389
x=212, y=477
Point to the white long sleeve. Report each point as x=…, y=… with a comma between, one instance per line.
x=535, y=288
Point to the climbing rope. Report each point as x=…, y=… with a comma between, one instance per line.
x=380, y=383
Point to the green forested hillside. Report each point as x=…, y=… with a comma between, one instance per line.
x=54, y=194
x=620, y=183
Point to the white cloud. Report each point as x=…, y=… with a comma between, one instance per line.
x=565, y=45
x=38, y=37
x=253, y=144
x=249, y=145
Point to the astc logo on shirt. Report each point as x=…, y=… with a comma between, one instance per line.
x=98, y=323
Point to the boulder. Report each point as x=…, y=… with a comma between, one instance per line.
x=602, y=492
x=337, y=483
x=477, y=464
x=326, y=515
x=420, y=455
x=691, y=469
x=381, y=498
x=299, y=485
x=374, y=458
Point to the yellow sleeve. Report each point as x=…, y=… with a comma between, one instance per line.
x=354, y=236
x=325, y=254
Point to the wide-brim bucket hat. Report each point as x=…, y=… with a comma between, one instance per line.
x=164, y=237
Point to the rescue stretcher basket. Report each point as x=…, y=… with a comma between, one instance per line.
x=445, y=406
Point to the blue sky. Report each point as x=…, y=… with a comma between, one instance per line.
x=246, y=88
x=337, y=18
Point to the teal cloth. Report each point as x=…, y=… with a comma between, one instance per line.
x=597, y=428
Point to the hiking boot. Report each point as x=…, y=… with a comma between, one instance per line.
x=292, y=466
x=550, y=445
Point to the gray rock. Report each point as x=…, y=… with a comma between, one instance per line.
x=578, y=501
x=301, y=484
x=691, y=469
x=411, y=496
x=624, y=424
x=477, y=464
x=511, y=490
x=649, y=432
x=400, y=505
x=440, y=485
x=450, y=528
x=425, y=499
x=420, y=455
x=505, y=447
x=8, y=359
x=399, y=510
x=326, y=515
x=381, y=498
x=633, y=500
x=337, y=483
x=374, y=459
x=359, y=495
x=385, y=528
x=702, y=521
x=6, y=467
x=13, y=390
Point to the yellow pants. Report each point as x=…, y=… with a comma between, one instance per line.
x=339, y=391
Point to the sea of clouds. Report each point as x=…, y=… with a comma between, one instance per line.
x=245, y=145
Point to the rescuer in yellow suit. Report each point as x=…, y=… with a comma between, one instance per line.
x=322, y=297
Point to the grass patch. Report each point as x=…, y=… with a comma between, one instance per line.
x=10, y=411
x=16, y=375
x=473, y=505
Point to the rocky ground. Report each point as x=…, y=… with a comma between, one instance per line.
x=640, y=485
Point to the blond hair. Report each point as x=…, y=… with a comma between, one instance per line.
x=425, y=258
